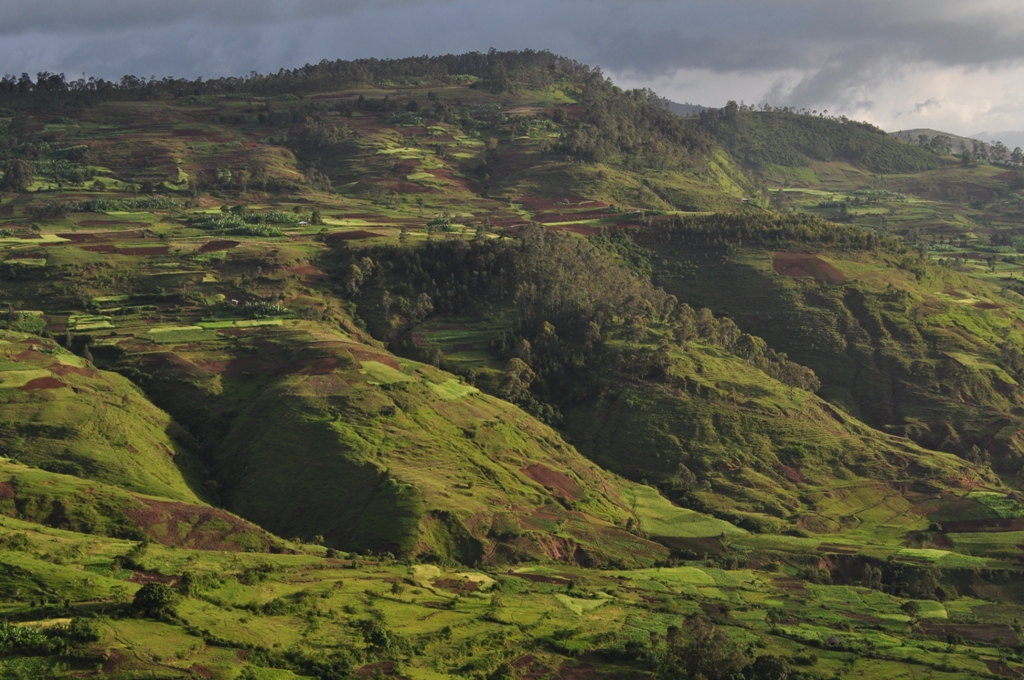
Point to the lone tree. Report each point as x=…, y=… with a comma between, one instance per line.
x=17, y=177
x=155, y=600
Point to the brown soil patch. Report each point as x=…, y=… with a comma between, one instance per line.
x=6, y=491
x=237, y=368
x=61, y=369
x=363, y=355
x=978, y=525
x=201, y=671
x=584, y=672
x=805, y=264
x=373, y=669
x=30, y=355
x=113, y=659
x=151, y=251
x=559, y=481
x=351, y=235
x=1000, y=668
x=214, y=246
x=191, y=526
x=42, y=384
x=791, y=585
x=711, y=546
x=7, y=211
x=307, y=270
x=530, y=667
x=455, y=586
x=100, y=249
x=792, y=474
x=144, y=577
x=582, y=229
x=541, y=578
x=984, y=633
x=986, y=305
x=188, y=133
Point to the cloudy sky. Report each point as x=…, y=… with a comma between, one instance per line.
x=953, y=65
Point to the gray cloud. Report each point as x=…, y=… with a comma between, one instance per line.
x=837, y=53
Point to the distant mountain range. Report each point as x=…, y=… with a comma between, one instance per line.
x=1011, y=138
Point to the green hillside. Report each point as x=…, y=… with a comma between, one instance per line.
x=479, y=366
x=906, y=345
x=61, y=414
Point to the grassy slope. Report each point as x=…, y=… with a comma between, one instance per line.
x=770, y=456
x=60, y=412
x=253, y=613
x=74, y=504
x=920, y=357
x=394, y=455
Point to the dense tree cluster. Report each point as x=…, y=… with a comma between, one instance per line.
x=498, y=71
x=569, y=296
x=635, y=126
x=760, y=139
x=733, y=230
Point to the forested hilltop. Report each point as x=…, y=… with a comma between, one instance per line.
x=481, y=366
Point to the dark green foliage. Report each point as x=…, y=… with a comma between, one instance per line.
x=700, y=650
x=155, y=600
x=730, y=231
x=634, y=126
x=760, y=139
x=17, y=176
x=124, y=205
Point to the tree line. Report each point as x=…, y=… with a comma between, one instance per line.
x=580, y=311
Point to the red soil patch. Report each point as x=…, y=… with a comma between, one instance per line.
x=191, y=526
x=451, y=584
x=42, y=384
x=984, y=633
x=351, y=235
x=61, y=369
x=30, y=355
x=27, y=256
x=979, y=525
x=986, y=305
x=100, y=249
x=214, y=246
x=559, y=481
x=805, y=264
x=6, y=491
